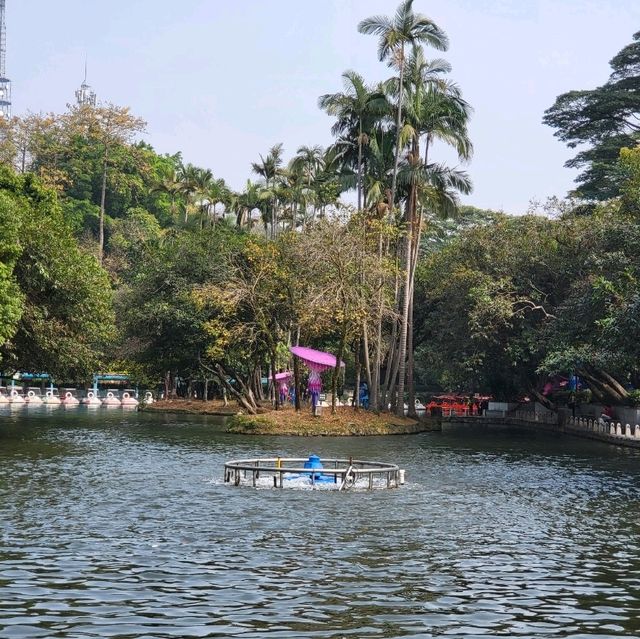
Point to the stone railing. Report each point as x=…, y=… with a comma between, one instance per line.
x=611, y=429
x=543, y=417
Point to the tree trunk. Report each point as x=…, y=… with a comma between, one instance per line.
x=167, y=384
x=244, y=396
x=416, y=222
x=296, y=383
x=614, y=383
x=103, y=196
x=606, y=389
x=356, y=392
x=375, y=387
x=410, y=381
x=276, y=390
x=367, y=361
x=360, y=167
x=296, y=375
x=396, y=159
x=336, y=371
x=404, y=323
x=541, y=399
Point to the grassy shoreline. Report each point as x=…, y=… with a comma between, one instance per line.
x=346, y=422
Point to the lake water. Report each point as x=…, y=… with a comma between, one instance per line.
x=118, y=524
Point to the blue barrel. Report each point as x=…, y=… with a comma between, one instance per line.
x=314, y=463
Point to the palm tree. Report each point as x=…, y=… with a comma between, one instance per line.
x=356, y=109
x=269, y=168
x=432, y=187
x=405, y=28
x=202, y=186
x=170, y=184
x=244, y=203
x=188, y=176
x=436, y=109
x=305, y=167
x=218, y=193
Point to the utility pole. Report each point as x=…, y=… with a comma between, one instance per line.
x=5, y=83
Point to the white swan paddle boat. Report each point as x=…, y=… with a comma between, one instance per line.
x=15, y=398
x=69, y=401
x=128, y=401
x=91, y=400
x=32, y=399
x=111, y=400
x=50, y=399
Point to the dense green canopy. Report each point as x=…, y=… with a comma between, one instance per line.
x=601, y=122
x=56, y=300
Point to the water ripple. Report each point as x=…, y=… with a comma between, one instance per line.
x=117, y=525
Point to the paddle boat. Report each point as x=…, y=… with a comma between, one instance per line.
x=128, y=401
x=50, y=399
x=69, y=401
x=91, y=400
x=15, y=399
x=111, y=401
x=3, y=399
x=148, y=398
x=32, y=399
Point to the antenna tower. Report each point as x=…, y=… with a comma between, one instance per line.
x=84, y=95
x=5, y=83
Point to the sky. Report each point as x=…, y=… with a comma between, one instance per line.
x=223, y=80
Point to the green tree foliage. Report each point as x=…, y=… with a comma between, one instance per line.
x=59, y=304
x=630, y=189
x=505, y=304
x=162, y=323
x=604, y=120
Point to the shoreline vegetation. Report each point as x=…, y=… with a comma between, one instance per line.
x=286, y=421
x=115, y=258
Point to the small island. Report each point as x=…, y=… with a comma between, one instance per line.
x=346, y=421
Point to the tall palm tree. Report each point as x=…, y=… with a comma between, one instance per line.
x=435, y=109
x=217, y=193
x=356, y=109
x=304, y=168
x=245, y=202
x=189, y=176
x=406, y=28
x=170, y=184
x=269, y=168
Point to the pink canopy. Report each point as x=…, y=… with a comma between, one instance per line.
x=316, y=360
x=283, y=376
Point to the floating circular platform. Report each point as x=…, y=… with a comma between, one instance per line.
x=300, y=472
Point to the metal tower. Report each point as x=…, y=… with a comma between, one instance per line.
x=5, y=83
x=84, y=95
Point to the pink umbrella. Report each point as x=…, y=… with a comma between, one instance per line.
x=282, y=380
x=316, y=362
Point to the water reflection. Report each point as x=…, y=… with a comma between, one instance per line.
x=117, y=524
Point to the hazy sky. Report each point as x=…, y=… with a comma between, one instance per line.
x=223, y=80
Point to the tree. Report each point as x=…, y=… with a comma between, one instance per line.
x=269, y=168
x=405, y=29
x=605, y=119
x=356, y=110
x=60, y=315
x=108, y=127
